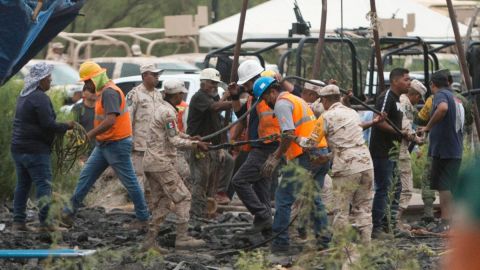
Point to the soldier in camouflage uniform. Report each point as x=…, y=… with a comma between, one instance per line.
x=141, y=102
x=352, y=165
x=408, y=101
x=168, y=190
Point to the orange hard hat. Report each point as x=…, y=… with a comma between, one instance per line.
x=89, y=69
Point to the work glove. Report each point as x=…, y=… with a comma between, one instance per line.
x=269, y=166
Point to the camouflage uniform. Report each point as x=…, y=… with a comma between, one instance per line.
x=169, y=193
x=141, y=103
x=352, y=169
x=404, y=162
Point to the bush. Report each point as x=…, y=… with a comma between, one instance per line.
x=8, y=95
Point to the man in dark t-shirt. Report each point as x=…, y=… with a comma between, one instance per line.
x=213, y=169
x=446, y=144
x=382, y=141
x=84, y=112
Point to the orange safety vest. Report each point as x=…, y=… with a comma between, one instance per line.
x=182, y=107
x=267, y=122
x=122, y=128
x=304, y=121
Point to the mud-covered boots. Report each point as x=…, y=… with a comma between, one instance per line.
x=150, y=242
x=184, y=241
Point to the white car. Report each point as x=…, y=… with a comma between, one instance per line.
x=191, y=80
x=119, y=67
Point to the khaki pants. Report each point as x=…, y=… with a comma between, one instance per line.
x=169, y=194
x=406, y=177
x=355, y=189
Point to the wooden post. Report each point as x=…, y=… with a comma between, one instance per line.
x=463, y=62
x=378, y=54
x=321, y=41
x=236, y=53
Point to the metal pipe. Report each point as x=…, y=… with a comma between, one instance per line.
x=378, y=54
x=463, y=62
x=236, y=53
x=321, y=41
x=366, y=106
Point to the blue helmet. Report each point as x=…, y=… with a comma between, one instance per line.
x=261, y=85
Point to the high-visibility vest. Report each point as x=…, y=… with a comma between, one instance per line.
x=267, y=122
x=122, y=128
x=304, y=121
x=182, y=107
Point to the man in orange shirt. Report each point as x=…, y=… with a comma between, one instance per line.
x=296, y=119
x=113, y=133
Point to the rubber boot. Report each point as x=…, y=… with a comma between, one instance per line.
x=184, y=241
x=151, y=242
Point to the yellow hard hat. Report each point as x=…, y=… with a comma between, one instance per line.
x=89, y=69
x=268, y=73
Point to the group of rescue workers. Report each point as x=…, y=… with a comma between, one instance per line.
x=153, y=142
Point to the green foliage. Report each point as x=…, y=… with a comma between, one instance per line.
x=8, y=95
x=419, y=165
x=254, y=260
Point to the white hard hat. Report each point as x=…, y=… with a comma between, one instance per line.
x=248, y=70
x=210, y=74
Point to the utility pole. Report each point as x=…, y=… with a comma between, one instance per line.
x=376, y=39
x=463, y=62
x=321, y=41
x=236, y=53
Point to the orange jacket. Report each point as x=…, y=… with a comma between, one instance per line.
x=304, y=121
x=122, y=127
x=182, y=107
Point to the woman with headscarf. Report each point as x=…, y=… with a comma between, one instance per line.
x=34, y=129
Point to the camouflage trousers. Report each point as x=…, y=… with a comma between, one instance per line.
x=428, y=195
x=210, y=172
x=169, y=194
x=137, y=160
x=406, y=178
x=354, y=190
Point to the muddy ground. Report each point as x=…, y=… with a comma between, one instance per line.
x=119, y=248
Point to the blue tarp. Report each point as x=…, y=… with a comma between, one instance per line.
x=21, y=38
x=43, y=253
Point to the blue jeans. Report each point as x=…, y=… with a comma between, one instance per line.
x=383, y=175
x=37, y=169
x=117, y=155
x=286, y=195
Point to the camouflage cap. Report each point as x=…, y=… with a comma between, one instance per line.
x=149, y=68
x=173, y=86
x=419, y=87
x=314, y=87
x=329, y=90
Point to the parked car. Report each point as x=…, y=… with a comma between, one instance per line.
x=120, y=67
x=191, y=80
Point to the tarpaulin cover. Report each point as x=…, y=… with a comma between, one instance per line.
x=21, y=38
